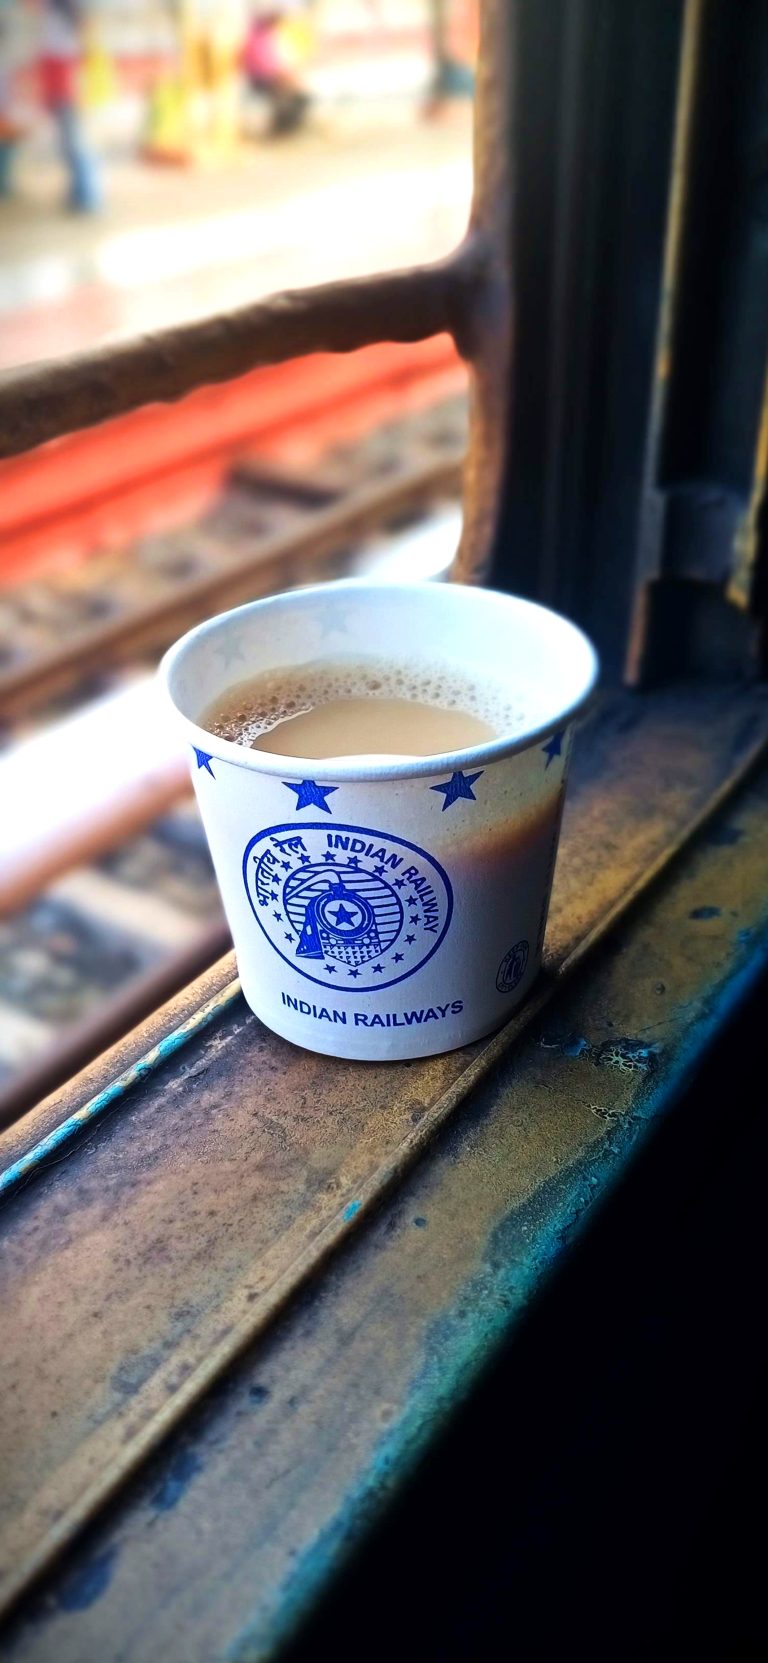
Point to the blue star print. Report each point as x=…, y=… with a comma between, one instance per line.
x=343, y=916
x=459, y=785
x=553, y=747
x=204, y=760
x=311, y=795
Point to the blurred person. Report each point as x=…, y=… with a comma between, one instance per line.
x=61, y=49
x=211, y=32
x=453, y=30
x=277, y=45
x=11, y=128
x=168, y=127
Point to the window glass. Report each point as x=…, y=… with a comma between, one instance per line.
x=164, y=159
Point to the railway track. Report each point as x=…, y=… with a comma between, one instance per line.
x=271, y=526
x=109, y=940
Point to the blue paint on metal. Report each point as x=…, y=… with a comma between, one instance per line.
x=62, y=1137
x=520, y=1254
x=621, y=1051
x=578, y=1047
x=183, y=1468
x=722, y=836
x=89, y=1583
x=704, y=912
x=629, y=1056
x=351, y=1208
x=132, y=1372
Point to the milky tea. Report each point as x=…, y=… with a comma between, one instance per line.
x=345, y=707
x=383, y=822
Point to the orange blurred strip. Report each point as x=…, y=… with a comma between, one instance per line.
x=161, y=464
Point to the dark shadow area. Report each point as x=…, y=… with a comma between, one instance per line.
x=602, y=1492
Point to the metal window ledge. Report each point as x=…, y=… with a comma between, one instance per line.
x=170, y=1288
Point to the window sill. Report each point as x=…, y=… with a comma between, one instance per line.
x=168, y=1241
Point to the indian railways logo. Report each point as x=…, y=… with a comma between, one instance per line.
x=512, y=968
x=349, y=908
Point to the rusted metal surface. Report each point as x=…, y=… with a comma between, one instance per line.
x=63, y=1136
x=17, y=1139
x=703, y=488
x=651, y=524
x=223, y=1545
x=45, y=400
x=97, y=950
x=750, y=543
x=488, y=333
x=225, y=1181
x=115, y=1014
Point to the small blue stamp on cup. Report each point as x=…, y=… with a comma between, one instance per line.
x=512, y=967
x=346, y=906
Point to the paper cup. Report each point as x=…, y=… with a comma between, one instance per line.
x=396, y=909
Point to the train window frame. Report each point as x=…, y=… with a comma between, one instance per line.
x=646, y=791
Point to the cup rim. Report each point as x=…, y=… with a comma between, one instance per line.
x=351, y=769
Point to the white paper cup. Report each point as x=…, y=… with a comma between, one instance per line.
x=395, y=909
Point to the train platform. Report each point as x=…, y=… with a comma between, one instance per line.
x=343, y=198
